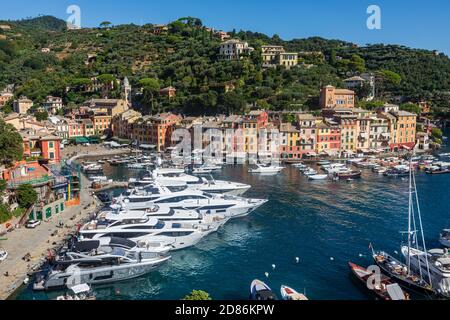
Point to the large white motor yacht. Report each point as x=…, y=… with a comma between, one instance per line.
x=101, y=261
x=172, y=178
x=147, y=229
x=230, y=206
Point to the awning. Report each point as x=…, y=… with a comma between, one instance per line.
x=81, y=140
x=312, y=154
x=406, y=147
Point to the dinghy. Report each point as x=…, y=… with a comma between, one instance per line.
x=261, y=291
x=290, y=294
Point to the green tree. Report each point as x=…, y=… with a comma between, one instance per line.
x=436, y=133
x=106, y=78
x=105, y=24
x=3, y=185
x=11, y=143
x=197, y=295
x=150, y=87
x=410, y=107
x=390, y=77
x=41, y=115
x=5, y=215
x=26, y=196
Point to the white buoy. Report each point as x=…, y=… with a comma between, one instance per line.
x=332, y=259
x=297, y=259
x=266, y=274
x=361, y=255
x=396, y=252
x=274, y=266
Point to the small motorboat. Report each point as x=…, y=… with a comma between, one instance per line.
x=444, y=238
x=261, y=291
x=266, y=169
x=386, y=289
x=290, y=294
x=351, y=174
x=78, y=292
x=318, y=177
x=310, y=172
x=323, y=163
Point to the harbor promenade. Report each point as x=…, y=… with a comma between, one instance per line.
x=35, y=243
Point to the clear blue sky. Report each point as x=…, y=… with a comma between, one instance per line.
x=415, y=23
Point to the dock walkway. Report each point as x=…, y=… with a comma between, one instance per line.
x=37, y=242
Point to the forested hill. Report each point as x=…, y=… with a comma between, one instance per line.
x=186, y=57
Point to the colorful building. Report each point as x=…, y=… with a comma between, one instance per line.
x=290, y=147
x=330, y=97
x=402, y=127
x=308, y=134
x=328, y=139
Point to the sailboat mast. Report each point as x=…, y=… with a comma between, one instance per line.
x=409, y=218
x=421, y=230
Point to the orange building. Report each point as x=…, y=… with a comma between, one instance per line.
x=101, y=122
x=41, y=145
x=330, y=97
x=156, y=130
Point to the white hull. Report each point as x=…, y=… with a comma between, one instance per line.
x=99, y=275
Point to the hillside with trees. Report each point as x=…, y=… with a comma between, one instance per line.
x=186, y=57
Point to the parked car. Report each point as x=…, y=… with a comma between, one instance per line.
x=3, y=255
x=31, y=224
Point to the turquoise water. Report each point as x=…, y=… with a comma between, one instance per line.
x=315, y=221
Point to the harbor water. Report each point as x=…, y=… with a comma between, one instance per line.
x=325, y=224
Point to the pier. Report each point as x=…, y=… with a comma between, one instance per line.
x=112, y=185
x=28, y=248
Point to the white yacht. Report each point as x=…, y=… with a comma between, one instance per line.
x=100, y=261
x=266, y=168
x=230, y=206
x=318, y=177
x=436, y=262
x=173, y=178
x=147, y=229
x=335, y=168
x=165, y=214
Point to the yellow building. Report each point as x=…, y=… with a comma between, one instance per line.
x=287, y=59
x=402, y=127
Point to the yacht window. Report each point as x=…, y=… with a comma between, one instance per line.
x=176, y=234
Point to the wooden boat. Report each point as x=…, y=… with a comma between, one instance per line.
x=399, y=272
x=261, y=291
x=290, y=294
x=385, y=290
x=354, y=174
